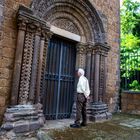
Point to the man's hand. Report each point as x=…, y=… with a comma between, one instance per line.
x=88, y=97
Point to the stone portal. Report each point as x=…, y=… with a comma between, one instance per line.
x=36, y=25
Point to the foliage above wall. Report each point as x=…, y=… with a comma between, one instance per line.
x=130, y=43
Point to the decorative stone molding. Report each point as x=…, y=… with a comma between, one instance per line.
x=66, y=24
x=81, y=54
x=78, y=16
x=26, y=69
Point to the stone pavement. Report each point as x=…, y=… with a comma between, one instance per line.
x=121, y=127
x=131, y=123
x=57, y=124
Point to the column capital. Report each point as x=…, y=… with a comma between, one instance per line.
x=101, y=48
x=34, y=24
x=81, y=48
x=22, y=23
x=89, y=47
x=46, y=34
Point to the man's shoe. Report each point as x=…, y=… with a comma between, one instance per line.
x=75, y=125
x=83, y=124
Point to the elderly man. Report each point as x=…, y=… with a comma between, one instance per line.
x=83, y=92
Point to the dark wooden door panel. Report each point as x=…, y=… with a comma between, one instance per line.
x=59, y=78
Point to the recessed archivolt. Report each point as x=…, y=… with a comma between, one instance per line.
x=82, y=30
x=81, y=13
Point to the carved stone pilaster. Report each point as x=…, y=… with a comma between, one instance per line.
x=81, y=55
x=89, y=48
x=102, y=78
x=26, y=69
x=18, y=60
x=96, y=75
x=46, y=35
x=99, y=110
x=34, y=70
x=92, y=74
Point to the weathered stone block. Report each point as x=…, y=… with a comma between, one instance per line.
x=2, y=101
x=5, y=73
x=4, y=91
x=5, y=82
x=34, y=125
x=8, y=126
x=23, y=118
x=21, y=127
x=8, y=52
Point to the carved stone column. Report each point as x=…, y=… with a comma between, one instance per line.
x=47, y=35
x=37, y=100
x=26, y=65
x=41, y=66
x=18, y=60
x=99, y=109
x=33, y=83
x=80, y=63
x=88, y=61
x=96, y=76
x=102, y=77
x=92, y=79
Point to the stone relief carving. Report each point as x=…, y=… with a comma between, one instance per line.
x=101, y=78
x=66, y=25
x=26, y=69
x=81, y=12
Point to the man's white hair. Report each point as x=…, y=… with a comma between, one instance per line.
x=81, y=71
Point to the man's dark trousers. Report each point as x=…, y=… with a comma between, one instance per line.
x=81, y=109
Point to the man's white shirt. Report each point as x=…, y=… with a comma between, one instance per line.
x=83, y=86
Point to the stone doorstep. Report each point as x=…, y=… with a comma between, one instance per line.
x=23, y=118
x=13, y=119
x=25, y=127
x=22, y=126
x=100, y=117
x=20, y=114
x=12, y=110
x=56, y=124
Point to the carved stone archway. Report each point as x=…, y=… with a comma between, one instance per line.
x=35, y=27
x=77, y=16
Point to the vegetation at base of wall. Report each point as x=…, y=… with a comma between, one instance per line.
x=130, y=44
x=134, y=86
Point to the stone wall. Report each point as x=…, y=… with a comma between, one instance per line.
x=2, y=99
x=130, y=102
x=109, y=11
x=8, y=35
